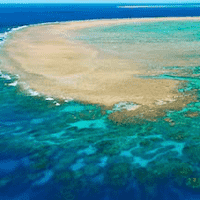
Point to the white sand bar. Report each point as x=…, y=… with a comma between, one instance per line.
x=51, y=63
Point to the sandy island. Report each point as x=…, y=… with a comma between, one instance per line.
x=51, y=63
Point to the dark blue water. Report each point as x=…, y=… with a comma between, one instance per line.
x=51, y=149
x=12, y=15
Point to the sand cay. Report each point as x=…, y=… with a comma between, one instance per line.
x=52, y=63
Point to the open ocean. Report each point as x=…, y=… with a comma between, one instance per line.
x=65, y=150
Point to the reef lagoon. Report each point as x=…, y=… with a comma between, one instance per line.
x=65, y=148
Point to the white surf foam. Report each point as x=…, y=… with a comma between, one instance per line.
x=33, y=93
x=18, y=28
x=68, y=100
x=5, y=76
x=3, y=35
x=49, y=99
x=13, y=84
x=157, y=6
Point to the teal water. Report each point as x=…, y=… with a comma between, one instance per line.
x=68, y=150
x=157, y=44
x=46, y=142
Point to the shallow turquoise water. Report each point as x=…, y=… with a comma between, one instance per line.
x=68, y=150
x=43, y=144
x=142, y=32
x=154, y=45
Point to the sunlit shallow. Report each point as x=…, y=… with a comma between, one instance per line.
x=79, y=147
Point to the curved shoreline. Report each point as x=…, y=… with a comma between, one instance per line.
x=59, y=68
x=145, y=19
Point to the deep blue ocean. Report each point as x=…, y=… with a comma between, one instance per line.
x=56, y=150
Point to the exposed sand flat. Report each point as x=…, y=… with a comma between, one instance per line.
x=92, y=23
x=53, y=64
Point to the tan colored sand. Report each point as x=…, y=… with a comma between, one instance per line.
x=53, y=64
